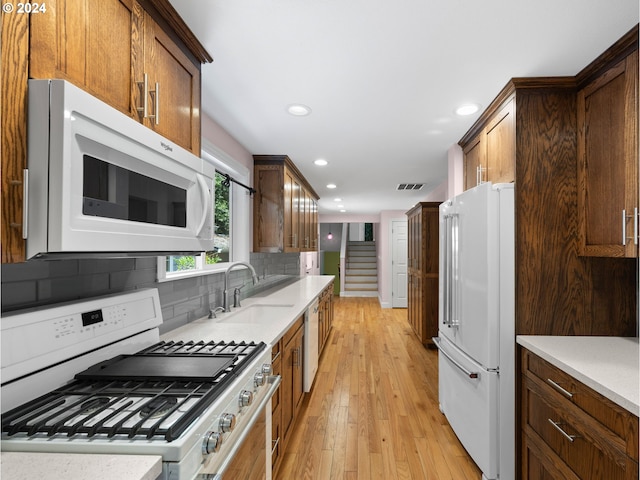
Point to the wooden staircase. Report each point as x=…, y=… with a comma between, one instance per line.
x=361, y=276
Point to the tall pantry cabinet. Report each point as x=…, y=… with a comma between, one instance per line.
x=422, y=270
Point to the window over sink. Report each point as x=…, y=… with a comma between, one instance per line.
x=231, y=211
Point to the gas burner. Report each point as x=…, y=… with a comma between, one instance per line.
x=93, y=405
x=158, y=406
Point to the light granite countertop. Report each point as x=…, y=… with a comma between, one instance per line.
x=608, y=365
x=54, y=466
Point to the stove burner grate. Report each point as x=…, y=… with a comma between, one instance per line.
x=146, y=409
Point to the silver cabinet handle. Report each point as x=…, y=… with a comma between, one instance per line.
x=144, y=109
x=635, y=226
x=275, y=445
x=625, y=217
x=156, y=104
x=566, y=393
x=557, y=426
x=464, y=370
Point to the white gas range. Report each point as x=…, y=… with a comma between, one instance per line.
x=93, y=377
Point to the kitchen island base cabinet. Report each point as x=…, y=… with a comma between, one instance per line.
x=570, y=431
x=288, y=398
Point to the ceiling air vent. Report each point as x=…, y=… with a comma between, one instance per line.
x=410, y=186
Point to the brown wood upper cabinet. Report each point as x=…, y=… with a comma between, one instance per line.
x=126, y=54
x=490, y=155
x=285, y=211
x=608, y=161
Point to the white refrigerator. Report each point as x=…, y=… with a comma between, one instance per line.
x=476, y=337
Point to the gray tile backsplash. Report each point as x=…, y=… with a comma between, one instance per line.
x=45, y=282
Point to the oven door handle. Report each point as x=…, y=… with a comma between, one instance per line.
x=275, y=383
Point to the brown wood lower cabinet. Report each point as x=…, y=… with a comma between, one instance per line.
x=287, y=400
x=325, y=316
x=570, y=431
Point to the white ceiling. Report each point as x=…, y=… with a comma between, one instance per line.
x=382, y=78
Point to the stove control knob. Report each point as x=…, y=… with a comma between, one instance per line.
x=246, y=398
x=266, y=369
x=258, y=379
x=211, y=443
x=227, y=422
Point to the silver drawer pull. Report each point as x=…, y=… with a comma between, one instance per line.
x=560, y=389
x=556, y=425
x=275, y=445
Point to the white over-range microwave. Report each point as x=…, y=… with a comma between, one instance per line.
x=101, y=184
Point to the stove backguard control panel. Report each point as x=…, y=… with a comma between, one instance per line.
x=39, y=338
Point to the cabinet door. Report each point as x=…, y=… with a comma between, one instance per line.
x=500, y=141
x=269, y=209
x=291, y=212
x=474, y=163
x=287, y=388
x=608, y=162
x=298, y=359
x=91, y=44
x=303, y=223
x=174, y=109
x=314, y=224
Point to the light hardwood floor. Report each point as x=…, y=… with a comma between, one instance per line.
x=373, y=411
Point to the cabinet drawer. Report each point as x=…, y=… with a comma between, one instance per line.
x=586, y=446
x=611, y=416
x=293, y=330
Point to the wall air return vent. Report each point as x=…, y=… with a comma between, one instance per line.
x=410, y=186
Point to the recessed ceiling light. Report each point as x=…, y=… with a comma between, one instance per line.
x=340, y=206
x=298, y=109
x=467, y=109
x=320, y=162
x=337, y=199
x=342, y=211
x=331, y=185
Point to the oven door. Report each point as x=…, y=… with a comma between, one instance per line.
x=248, y=456
x=101, y=182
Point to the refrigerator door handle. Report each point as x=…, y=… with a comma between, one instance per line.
x=446, y=294
x=451, y=309
x=468, y=373
x=455, y=274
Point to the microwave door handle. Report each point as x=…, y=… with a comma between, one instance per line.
x=205, y=200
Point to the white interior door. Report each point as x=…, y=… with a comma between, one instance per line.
x=399, y=257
